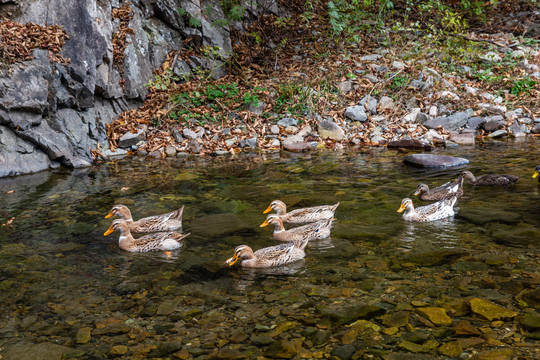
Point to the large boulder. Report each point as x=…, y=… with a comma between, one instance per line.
x=56, y=112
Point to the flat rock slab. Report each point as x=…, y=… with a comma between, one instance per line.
x=431, y=161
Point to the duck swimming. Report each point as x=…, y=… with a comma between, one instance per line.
x=439, y=210
x=267, y=257
x=314, y=231
x=490, y=179
x=446, y=190
x=302, y=216
x=159, y=241
x=166, y=222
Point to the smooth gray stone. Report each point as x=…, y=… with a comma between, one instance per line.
x=430, y=160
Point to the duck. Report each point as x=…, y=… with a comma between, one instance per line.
x=449, y=189
x=536, y=172
x=490, y=179
x=165, y=241
x=439, y=210
x=302, y=216
x=313, y=231
x=272, y=256
x=159, y=223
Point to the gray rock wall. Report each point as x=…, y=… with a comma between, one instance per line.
x=53, y=114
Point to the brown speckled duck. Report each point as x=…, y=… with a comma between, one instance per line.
x=439, y=210
x=446, y=190
x=166, y=222
x=490, y=179
x=165, y=241
x=302, y=216
x=272, y=256
x=314, y=231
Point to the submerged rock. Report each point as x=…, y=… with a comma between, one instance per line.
x=482, y=216
x=282, y=349
x=28, y=351
x=436, y=315
x=218, y=225
x=490, y=310
x=347, y=314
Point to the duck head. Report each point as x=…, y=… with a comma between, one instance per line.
x=121, y=211
x=242, y=252
x=278, y=206
x=406, y=204
x=118, y=224
x=421, y=188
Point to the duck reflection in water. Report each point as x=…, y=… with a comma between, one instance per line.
x=418, y=236
x=245, y=277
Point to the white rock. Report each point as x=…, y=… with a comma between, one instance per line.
x=411, y=117
x=450, y=94
x=470, y=90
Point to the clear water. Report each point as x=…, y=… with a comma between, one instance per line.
x=59, y=274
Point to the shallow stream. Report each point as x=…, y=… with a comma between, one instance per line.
x=362, y=293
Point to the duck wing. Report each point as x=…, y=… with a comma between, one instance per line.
x=496, y=180
x=166, y=222
x=311, y=214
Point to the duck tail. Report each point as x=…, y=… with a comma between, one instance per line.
x=178, y=213
x=301, y=244
x=181, y=238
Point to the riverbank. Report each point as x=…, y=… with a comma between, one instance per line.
x=397, y=87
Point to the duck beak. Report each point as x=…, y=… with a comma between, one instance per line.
x=109, y=214
x=265, y=223
x=417, y=192
x=232, y=261
x=401, y=208
x=535, y=174
x=109, y=230
x=268, y=209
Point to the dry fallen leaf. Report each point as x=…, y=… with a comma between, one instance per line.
x=125, y=188
x=8, y=223
x=10, y=192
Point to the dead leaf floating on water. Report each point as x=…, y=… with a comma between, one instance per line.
x=10, y=192
x=8, y=223
x=125, y=188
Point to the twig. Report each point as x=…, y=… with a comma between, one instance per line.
x=482, y=40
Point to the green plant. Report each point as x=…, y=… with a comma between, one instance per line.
x=162, y=82
x=192, y=21
x=524, y=85
x=399, y=81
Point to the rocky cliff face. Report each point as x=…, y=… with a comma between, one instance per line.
x=52, y=114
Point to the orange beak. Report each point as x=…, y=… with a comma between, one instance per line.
x=232, y=261
x=265, y=223
x=109, y=215
x=268, y=209
x=109, y=230
x=401, y=208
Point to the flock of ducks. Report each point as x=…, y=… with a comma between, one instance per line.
x=164, y=237
x=316, y=223
x=447, y=194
